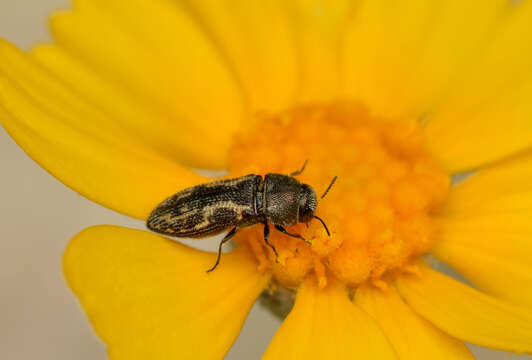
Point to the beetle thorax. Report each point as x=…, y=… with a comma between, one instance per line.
x=281, y=199
x=307, y=203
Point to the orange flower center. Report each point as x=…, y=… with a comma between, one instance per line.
x=380, y=209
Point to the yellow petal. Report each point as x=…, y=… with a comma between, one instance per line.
x=486, y=116
x=81, y=145
x=411, y=336
x=256, y=38
x=319, y=28
x=150, y=298
x=154, y=53
x=164, y=133
x=486, y=230
x=399, y=56
x=466, y=313
x=325, y=324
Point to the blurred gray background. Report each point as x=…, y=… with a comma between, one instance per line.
x=39, y=317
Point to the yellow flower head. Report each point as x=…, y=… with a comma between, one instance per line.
x=392, y=182
x=392, y=97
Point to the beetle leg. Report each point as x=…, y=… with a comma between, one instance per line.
x=283, y=230
x=227, y=237
x=295, y=173
x=266, y=236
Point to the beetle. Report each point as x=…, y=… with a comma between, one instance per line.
x=211, y=208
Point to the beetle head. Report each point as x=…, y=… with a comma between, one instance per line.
x=307, y=203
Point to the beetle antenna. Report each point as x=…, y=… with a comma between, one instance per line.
x=329, y=187
x=323, y=223
x=295, y=173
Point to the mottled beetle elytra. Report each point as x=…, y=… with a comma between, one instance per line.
x=211, y=208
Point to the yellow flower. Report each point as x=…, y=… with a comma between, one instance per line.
x=391, y=97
